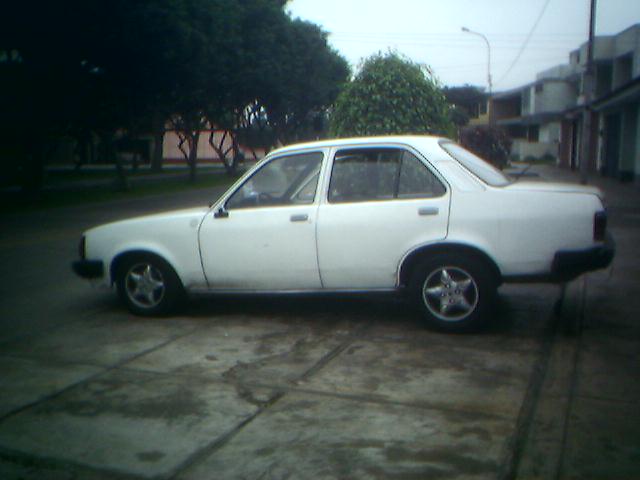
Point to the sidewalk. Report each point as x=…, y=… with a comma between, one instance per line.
x=586, y=423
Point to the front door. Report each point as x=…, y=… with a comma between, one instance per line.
x=264, y=237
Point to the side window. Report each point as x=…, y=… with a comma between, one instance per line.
x=361, y=175
x=416, y=180
x=364, y=174
x=287, y=180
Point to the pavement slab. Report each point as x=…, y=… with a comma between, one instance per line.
x=324, y=437
x=430, y=375
x=608, y=369
x=104, y=339
x=129, y=422
x=603, y=440
x=244, y=349
x=23, y=382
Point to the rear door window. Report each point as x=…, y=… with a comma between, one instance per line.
x=361, y=175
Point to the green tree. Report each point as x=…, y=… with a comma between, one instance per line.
x=116, y=69
x=466, y=101
x=309, y=79
x=391, y=95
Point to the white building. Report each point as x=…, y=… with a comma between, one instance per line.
x=544, y=118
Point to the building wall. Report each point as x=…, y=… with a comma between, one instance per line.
x=206, y=154
x=637, y=152
x=524, y=150
x=505, y=108
x=629, y=141
x=549, y=132
x=554, y=96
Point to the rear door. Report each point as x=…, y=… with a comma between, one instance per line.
x=381, y=203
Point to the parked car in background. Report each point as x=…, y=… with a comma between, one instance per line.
x=418, y=214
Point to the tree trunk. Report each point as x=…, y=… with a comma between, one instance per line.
x=120, y=183
x=229, y=164
x=158, y=142
x=193, y=155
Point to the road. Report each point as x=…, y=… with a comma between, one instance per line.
x=38, y=290
x=276, y=388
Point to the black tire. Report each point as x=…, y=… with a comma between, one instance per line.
x=148, y=285
x=455, y=292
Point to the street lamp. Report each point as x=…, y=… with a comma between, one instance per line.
x=466, y=30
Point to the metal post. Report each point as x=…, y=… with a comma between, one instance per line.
x=588, y=87
x=466, y=30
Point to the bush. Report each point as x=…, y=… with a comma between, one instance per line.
x=490, y=143
x=391, y=95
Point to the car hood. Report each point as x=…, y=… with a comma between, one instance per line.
x=553, y=187
x=190, y=215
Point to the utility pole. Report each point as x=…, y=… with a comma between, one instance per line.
x=588, y=87
x=486, y=40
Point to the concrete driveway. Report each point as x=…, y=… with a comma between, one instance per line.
x=313, y=387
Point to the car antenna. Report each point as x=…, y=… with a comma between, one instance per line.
x=524, y=170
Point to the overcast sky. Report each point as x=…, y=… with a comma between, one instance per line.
x=429, y=31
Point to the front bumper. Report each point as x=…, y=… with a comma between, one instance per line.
x=569, y=264
x=88, y=268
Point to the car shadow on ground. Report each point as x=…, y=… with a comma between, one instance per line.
x=511, y=315
x=377, y=309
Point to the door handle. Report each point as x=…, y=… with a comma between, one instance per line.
x=425, y=211
x=299, y=218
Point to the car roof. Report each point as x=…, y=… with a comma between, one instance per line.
x=427, y=142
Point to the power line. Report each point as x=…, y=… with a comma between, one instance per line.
x=526, y=41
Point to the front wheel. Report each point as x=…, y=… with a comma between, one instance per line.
x=455, y=292
x=148, y=285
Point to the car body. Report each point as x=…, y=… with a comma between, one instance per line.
x=412, y=213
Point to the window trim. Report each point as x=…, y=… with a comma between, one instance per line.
x=223, y=203
x=381, y=146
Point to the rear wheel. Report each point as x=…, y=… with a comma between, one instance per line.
x=454, y=292
x=148, y=285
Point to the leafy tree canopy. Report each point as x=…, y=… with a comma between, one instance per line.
x=106, y=67
x=466, y=101
x=391, y=95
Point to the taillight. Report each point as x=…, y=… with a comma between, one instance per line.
x=82, y=248
x=599, y=226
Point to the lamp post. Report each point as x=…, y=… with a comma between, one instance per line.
x=466, y=30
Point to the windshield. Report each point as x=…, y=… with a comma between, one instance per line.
x=476, y=165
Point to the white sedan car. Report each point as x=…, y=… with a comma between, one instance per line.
x=418, y=214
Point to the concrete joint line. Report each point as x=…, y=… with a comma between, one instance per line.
x=516, y=443
x=383, y=401
x=219, y=443
x=90, y=378
x=573, y=385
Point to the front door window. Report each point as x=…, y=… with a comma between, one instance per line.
x=288, y=180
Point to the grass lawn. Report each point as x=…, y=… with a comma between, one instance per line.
x=16, y=202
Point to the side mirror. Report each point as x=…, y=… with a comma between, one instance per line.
x=221, y=213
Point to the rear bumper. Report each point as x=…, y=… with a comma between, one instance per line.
x=569, y=264
x=88, y=268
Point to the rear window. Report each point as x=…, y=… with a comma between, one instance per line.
x=476, y=165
